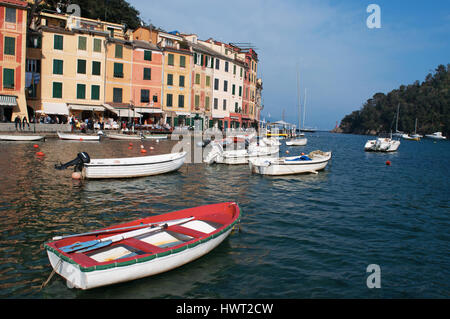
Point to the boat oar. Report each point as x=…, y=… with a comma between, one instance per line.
x=99, y=243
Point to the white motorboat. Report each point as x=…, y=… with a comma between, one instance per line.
x=21, y=137
x=126, y=167
x=382, y=144
x=297, y=142
x=436, y=136
x=156, y=137
x=240, y=156
x=124, y=137
x=311, y=163
x=78, y=137
x=410, y=137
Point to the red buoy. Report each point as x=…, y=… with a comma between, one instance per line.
x=40, y=154
x=129, y=147
x=143, y=151
x=388, y=163
x=131, y=144
x=35, y=146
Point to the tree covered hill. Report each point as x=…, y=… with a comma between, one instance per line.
x=428, y=101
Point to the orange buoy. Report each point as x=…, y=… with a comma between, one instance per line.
x=303, y=154
x=287, y=152
x=388, y=163
x=35, y=146
x=81, y=138
x=131, y=144
x=76, y=175
x=40, y=154
x=143, y=151
x=129, y=147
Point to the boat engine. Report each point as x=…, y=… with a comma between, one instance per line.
x=81, y=159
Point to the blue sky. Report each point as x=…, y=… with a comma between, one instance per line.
x=342, y=62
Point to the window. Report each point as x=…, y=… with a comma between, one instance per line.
x=217, y=64
x=216, y=84
x=58, y=66
x=145, y=96
x=117, y=95
x=225, y=85
x=180, y=100
x=208, y=81
x=241, y=72
x=182, y=61
x=147, y=74
x=197, y=78
x=233, y=89
x=155, y=98
x=236, y=107
x=226, y=66
x=57, y=90
x=119, y=51
x=82, y=43
x=33, y=65
x=207, y=102
x=216, y=103
x=170, y=59
x=58, y=42
x=10, y=15
x=169, y=79
x=181, y=81
x=81, y=91
x=96, y=67
x=97, y=45
x=224, y=104
x=240, y=90
x=95, y=92
x=10, y=46
x=147, y=55
x=81, y=68
x=169, y=100
x=8, y=78
x=197, y=101
x=118, y=70
x=234, y=69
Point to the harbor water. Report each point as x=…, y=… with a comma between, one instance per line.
x=300, y=236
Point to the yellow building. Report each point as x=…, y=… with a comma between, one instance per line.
x=13, y=19
x=72, y=66
x=176, y=79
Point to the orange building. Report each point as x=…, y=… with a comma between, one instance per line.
x=13, y=27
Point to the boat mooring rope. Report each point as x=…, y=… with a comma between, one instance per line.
x=51, y=275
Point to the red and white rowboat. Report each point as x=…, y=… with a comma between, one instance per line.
x=142, y=247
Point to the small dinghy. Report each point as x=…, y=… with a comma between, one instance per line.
x=21, y=137
x=141, y=248
x=125, y=167
x=156, y=137
x=297, y=142
x=78, y=137
x=125, y=137
x=311, y=163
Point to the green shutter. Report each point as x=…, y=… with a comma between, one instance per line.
x=169, y=100
x=95, y=92
x=8, y=78
x=233, y=89
x=119, y=51
x=96, y=67
x=208, y=80
x=97, y=45
x=181, y=81
x=183, y=61
x=197, y=101
x=170, y=59
x=81, y=91
x=58, y=42
x=169, y=79
x=118, y=70
x=147, y=74
x=58, y=66
x=82, y=43
x=57, y=90
x=10, y=46
x=147, y=55
x=81, y=69
x=195, y=58
x=197, y=78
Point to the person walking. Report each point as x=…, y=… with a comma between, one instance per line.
x=25, y=121
x=17, y=122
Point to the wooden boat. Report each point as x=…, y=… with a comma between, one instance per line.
x=125, y=167
x=78, y=137
x=297, y=142
x=124, y=137
x=21, y=137
x=311, y=163
x=141, y=248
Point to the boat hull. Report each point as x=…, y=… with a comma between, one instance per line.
x=124, y=137
x=93, y=275
x=21, y=138
x=381, y=145
x=282, y=167
x=297, y=142
x=77, y=137
x=134, y=167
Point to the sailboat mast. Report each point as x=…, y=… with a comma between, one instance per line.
x=396, y=123
x=298, y=98
x=304, y=109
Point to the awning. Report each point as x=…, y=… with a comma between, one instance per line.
x=54, y=108
x=127, y=113
x=110, y=108
x=80, y=107
x=8, y=100
x=148, y=110
x=182, y=113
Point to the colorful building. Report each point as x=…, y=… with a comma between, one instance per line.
x=13, y=27
x=176, y=78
